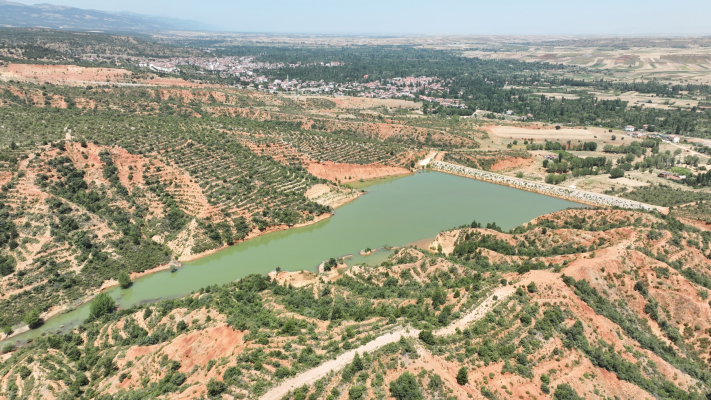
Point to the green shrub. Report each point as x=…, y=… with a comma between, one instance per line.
x=488, y=393
x=330, y=264
x=427, y=337
x=8, y=347
x=24, y=372
x=124, y=280
x=525, y=319
x=7, y=265
x=215, y=387
x=532, y=287
x=463, y=376
x=555, y=179
x=282, y=372
x=81, y=379
x=101, y=305
x=545, y=381
x=617, y=173
x=32, y=319
x=357, y=363
x=435, y=384
x=357, y=392
x=405, y=387
x=565, y=392
x=232, y=373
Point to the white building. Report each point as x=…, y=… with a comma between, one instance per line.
x=167, y=68
x=629, y=128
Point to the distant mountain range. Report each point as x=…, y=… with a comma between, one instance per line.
x=70, y=18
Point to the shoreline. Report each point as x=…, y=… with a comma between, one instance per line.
x=58, y=310
x=61, y=309
x=434, y=166
x=397, y=175
x=356, y=183
x=271, y=229
x=569, y=194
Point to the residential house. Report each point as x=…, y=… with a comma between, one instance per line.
x=671, y=176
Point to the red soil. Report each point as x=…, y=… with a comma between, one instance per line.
x=66, y=73
x=510, y=163
x=352, y=172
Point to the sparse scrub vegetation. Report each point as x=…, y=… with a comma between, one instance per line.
x=288, y=330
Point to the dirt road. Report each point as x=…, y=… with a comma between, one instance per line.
x=477, y=313
x=312, y=375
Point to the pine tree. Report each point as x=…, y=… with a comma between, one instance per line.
x=462, y=376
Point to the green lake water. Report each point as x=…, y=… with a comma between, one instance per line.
x=394, y=212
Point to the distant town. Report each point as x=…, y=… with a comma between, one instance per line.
x=247, y=69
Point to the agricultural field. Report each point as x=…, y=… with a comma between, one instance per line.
x=677, y=59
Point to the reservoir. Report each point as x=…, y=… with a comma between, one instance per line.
x=394, y=212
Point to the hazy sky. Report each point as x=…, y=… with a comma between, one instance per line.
x=429, y=17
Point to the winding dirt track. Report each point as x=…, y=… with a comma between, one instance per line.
x=310, y=376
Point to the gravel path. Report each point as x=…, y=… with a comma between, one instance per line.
x=312, y=375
